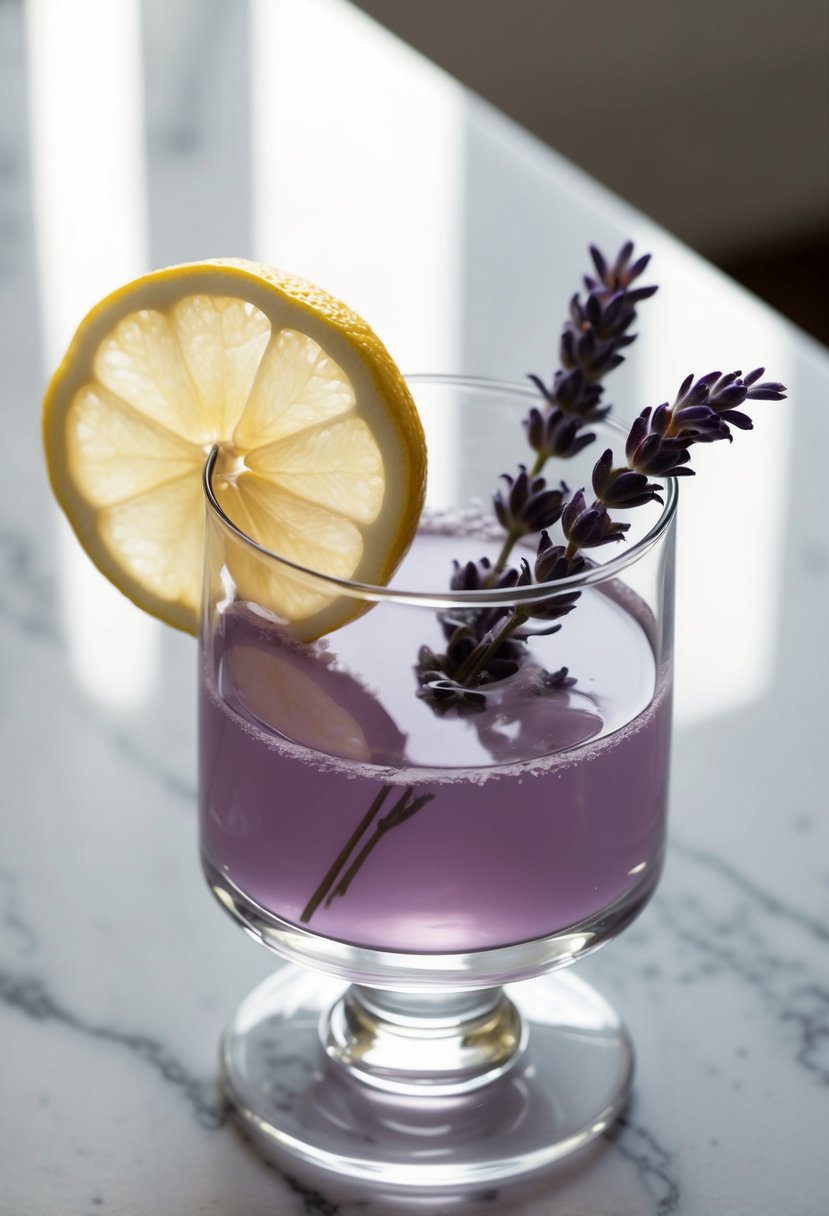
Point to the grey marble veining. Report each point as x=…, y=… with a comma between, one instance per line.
x=117, y=972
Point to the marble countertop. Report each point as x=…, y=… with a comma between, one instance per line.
x=156, y=135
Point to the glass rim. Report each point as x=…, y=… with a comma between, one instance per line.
x=594, y=573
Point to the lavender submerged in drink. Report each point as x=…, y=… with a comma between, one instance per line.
x=334, y=798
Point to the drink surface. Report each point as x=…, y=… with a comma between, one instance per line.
x=466, y=831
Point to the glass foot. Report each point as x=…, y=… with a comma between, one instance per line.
x=545, y=1069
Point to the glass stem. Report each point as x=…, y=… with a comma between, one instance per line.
x=416, y=1042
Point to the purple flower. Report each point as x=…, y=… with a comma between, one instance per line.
x=528, y=505
x=464, y=627
x=699, y=424
x=588, y=527
x=597, y=330
x=551, y=564
x=573, y=394
x=594, y=336
x=622, y=487
x=649, y=453
x=622, y=272
x=489, y=643
x=556, y=434
x=703, y=412
x=720, y=394
x=471, y=576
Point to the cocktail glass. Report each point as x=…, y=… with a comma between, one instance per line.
x=430, y=871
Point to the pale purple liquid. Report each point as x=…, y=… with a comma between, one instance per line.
x=544, y=810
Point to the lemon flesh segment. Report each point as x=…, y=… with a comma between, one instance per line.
x=321, y=453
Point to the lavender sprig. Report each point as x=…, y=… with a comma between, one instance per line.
x=489, y=644
x=528, y=505
x=703, y=412
x=588, y=527
x=486, y=645
x=595, y=334
x=659, y=443
x=591, y=344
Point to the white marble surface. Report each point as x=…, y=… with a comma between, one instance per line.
x=116, y=969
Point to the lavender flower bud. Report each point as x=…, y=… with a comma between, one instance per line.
x=621, y=487
x=769, y=390
x=582, y=348
x=551, y=564
x=622, y=272
x=573, y=394
x=588, y=527
x=637, y=434
x=649, y=453
x=554, y=434
x=700, y=424
x=657, y=457
x=472, y=576
x=597, y=328
x=595, y=335
x=528, y=505
x=548, y=609
x=661, y=419
x=721, y=394
x=551, y=561
x=694, y=393
x=464, y=628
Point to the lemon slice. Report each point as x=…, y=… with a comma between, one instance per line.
x=321, y=456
